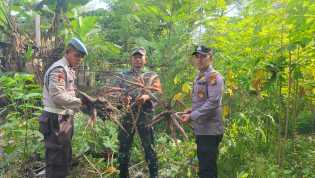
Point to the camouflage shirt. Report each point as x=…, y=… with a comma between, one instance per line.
x=148, y=79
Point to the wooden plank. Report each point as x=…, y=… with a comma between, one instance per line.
x=37, y=31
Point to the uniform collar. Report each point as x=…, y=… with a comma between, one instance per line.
x=133, y=71
x=209, y=69
x=65, y=61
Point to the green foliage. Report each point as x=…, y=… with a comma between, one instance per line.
x=23, y=93
x=19, y=132
x=265, y=51
x=181, y=160
x=306, y=122
x=98, y=139
x=301, y=153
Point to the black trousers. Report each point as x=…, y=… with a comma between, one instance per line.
x=207, y=152
x=147, y=140
x=58, y=150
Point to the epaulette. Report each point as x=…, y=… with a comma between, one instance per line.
x=212, y=80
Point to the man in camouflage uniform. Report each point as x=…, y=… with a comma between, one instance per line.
x=206, y=112
x=60, y=104
x=141, y=105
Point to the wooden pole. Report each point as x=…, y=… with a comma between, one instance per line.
x=37, y=31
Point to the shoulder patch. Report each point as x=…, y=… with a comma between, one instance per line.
x=212, y=80
x=61, y=77
x=59, y=74
x=157, y=85
x=149, y=74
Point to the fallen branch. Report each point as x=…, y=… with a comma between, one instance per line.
x=173, y=122
x=93, y=166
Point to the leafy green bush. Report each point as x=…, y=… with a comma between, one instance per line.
x=19, y=131
x=306, y=122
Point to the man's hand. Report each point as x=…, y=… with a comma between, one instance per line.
x=188, y=111
x=92, y=119
x=185, y=118
x=126, y=100
x=141, y=99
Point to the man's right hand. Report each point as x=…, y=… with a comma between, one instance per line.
x=126, y=100
x=185, y=118
x=188, y=110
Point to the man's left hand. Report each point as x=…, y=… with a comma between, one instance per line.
x=92, y=119
x=141, y=99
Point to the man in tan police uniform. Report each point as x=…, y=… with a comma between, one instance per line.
x=60, y=105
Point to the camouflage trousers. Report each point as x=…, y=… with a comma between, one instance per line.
x=147, y=140
x=57, y=131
